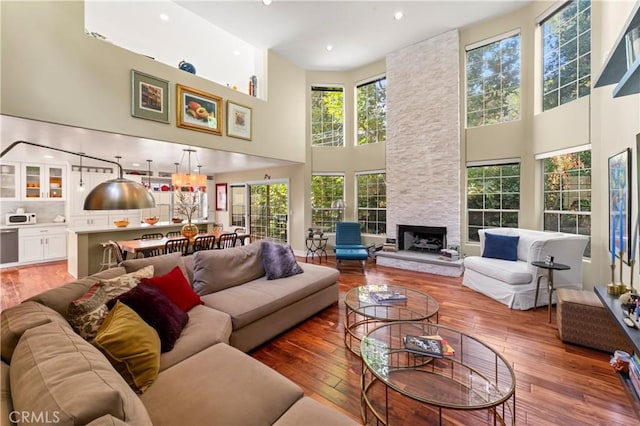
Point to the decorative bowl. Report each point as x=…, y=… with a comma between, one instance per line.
x=176, y=219
x=122, y=223
x=151, y=220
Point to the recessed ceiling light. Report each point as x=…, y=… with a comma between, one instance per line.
x=329, y=47
x=236, y=52
x=48, y=157
x=164, y=16
x=135, y=164
x=398, y=15
x=266, y=2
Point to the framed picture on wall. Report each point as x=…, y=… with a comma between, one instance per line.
x=198, y=110
x=239, y=121
x=620, y=205
x=149, y=97
x=221, y=197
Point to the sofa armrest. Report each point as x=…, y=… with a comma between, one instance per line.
x=568, y=250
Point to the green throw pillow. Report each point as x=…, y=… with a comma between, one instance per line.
x=131, y=345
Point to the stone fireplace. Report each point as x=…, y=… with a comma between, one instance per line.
x=428, y=239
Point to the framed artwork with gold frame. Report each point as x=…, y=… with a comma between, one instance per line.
x=198, y=110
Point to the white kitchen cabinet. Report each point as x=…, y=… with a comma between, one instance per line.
x=10, y=181
x=96, y=220
x=43, y=182
x=40, y=244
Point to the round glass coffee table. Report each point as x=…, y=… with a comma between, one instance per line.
x=467, y=382
x=370, y=306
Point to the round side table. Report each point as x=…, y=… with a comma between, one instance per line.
x=550, y=267
x=316, y=246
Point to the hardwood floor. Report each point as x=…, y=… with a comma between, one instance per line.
x=556, y=383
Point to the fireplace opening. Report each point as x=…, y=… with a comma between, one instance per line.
x=428, y=239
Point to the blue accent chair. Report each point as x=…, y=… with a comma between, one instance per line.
x=349, y=243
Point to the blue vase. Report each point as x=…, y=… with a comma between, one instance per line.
x=186, y=66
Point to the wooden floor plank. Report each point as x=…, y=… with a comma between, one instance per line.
x=556, y=383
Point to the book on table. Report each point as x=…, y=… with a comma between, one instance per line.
x=388, y=297
x=422, y=346
x=434, y=346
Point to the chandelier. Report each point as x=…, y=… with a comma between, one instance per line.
x=188, y=182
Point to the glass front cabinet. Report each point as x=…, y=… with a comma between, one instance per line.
x=42, y=181
x=9, y=181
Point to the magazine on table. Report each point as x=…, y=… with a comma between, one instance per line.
x=434, y=346
x=422, y=346
x=388, y=297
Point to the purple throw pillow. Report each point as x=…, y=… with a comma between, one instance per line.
x=157, y=310
x=278, y=260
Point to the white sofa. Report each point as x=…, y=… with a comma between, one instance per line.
x=514, y=282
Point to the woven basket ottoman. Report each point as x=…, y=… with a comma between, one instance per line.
x=583, y=320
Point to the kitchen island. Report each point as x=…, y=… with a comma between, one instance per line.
x=84, y=244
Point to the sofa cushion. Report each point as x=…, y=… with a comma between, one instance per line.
x=162, y=264
x=278, y=260
x=16, y=320
x=239, y=391
x=503, y=247
x=215, y=270
x=205, y=328
x=6, y=406
x=509, y=272
x=121, y=284
x=131, y=345
x=59, y=298
x=309, y=412
x=87, y=313
x=259, y=298
x=175, y=286
x=157, y=310
x=56, y=370
x=107, y=420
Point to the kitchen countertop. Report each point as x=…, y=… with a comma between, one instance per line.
x=35, y=225
x=133, y=226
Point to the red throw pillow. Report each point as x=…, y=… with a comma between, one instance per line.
x=175, y=286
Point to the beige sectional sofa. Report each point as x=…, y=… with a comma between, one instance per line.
x=50, y=373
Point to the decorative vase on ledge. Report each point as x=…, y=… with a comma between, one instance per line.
x=189, y=230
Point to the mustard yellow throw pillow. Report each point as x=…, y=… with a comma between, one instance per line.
x=131, y=345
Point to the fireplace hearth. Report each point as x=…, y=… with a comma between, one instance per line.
x=428, y=239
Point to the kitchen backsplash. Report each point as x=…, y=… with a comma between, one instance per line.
x=46, y=210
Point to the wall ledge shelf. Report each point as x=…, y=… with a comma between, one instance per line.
x=615, y=69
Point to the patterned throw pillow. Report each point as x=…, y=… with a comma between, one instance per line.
x=123, y=283
x=87, y=313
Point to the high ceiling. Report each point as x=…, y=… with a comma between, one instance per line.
x=361, y=32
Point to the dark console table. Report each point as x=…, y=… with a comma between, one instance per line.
x=633, y=336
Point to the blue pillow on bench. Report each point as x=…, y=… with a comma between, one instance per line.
x=503, y=247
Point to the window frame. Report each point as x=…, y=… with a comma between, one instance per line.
x=357, y=86
x=331, y=228
x=368, y=209
x=500, y=211
x=331, y=88
x=503, y=103
x=579, y=67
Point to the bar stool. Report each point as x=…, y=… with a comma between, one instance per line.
x=111, y=255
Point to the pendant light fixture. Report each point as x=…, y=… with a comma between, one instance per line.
x=114, y=194
x=81, y=187
x=188, y=182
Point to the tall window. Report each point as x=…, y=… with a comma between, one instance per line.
x=372, y=111
x=372, y=202
x=567, y=194
x=327, y=116
x=493, y=197
x=326, y=190
x=238, y=206
x=566, y=49
x=493, y=82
